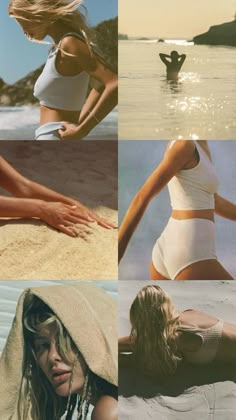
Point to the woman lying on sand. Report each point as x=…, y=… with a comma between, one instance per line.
x=59, y=362
x=162, y=337
x=34, y=200
x=186, y=249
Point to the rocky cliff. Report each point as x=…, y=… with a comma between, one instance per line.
x=21, y=92
x=224, y=34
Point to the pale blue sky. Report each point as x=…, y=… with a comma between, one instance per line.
x=19, y=56
x=172, y=18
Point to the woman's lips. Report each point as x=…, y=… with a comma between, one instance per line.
x=58, y=377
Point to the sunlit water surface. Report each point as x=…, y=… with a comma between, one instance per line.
x=201, y=104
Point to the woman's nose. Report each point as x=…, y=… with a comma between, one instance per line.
x=53, y=354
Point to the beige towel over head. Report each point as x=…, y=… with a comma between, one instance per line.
x=89, y=315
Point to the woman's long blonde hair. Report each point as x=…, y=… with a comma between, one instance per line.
x=46, y=12
x=37, y=399
x=154, y=321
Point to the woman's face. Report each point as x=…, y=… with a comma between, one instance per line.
x=57, y=371
x=33, y=30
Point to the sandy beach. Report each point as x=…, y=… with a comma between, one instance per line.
x=196, y=392
x=86, y=171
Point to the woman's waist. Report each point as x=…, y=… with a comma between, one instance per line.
x=193, y=214
x=48, y=115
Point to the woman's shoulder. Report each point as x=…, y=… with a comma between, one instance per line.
x=182, y=150
x=105, y=409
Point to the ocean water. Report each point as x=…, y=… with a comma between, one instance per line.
x=200, y=105
x=20, y=123
x=137, y=160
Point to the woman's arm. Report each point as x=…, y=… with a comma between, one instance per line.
x=105, y=409
x=225, y=208
x=58, y=215
x=21, y=187
x=164, y=58
x=83, y=61
x=124, y=344
x=174, y=160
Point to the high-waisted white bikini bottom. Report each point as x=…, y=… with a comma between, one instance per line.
x=48, y=131
x=182, y=243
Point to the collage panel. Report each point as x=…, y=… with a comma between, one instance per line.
x=58, y=350
x=176, y=70
x=196, y=239
x=177, y=350
x=58, y=210
x=63, y=57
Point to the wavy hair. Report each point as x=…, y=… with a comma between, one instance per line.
x=37, y=398
x=155, y=322
x=46, y=12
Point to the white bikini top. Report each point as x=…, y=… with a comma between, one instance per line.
x=61, y=92
x=210, y=342
x=194, y=189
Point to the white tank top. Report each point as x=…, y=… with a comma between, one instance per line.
x=194, y=189
x=61, y=92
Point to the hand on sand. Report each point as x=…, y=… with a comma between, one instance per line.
x=63, y=217
x=91, y=216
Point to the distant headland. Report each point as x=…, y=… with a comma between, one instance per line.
x=223, y=34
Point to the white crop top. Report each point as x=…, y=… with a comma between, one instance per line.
x=194, y=189
x=210, y=342
x=61, y=92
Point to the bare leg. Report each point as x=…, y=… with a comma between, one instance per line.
x=204, y=270
x=154, y=275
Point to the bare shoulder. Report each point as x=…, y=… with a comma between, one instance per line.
x=105, y=409
x=179, y=152
x=77, y=50
x=181, y=146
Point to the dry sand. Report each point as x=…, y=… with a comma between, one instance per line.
x=86, y=171
x=195, y=392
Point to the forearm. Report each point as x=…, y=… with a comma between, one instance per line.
x=225, y=208
x=105, y=103
x=130, y=222
x=90, y=103
x=20, y=207
x=125, y=345
x=34, y=190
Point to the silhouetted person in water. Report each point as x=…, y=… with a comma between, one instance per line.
x=173, y=63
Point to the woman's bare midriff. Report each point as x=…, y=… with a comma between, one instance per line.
x=193, y=214
x=48, y=115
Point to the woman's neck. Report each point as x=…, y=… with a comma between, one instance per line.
x=57, y=30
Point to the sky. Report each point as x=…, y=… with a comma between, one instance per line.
x=172, y=18
x=19, y=56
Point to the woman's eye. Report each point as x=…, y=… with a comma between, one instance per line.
x=41, y=346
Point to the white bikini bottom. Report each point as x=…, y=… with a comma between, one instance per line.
x=48, y=131
x=182, y=243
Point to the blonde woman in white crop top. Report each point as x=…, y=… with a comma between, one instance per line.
x=186, y=248
x=161, y=336
x=65, y=110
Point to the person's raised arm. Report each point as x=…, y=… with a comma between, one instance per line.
x=164, y=58
x=174, y=160
x=182, y=59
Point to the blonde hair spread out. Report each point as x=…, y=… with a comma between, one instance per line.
x=155, y=322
